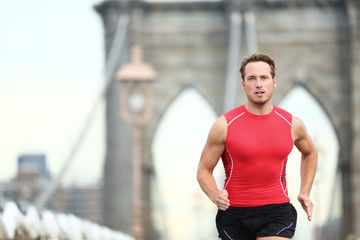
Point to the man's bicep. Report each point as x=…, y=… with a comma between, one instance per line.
x=210, y=157
x=215, y=145
x=302, y=139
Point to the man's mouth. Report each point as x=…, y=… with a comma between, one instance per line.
x=259, y=93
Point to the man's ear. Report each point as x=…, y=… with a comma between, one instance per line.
x=274, y=81
x=243, y=84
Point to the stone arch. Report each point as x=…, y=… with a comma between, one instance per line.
x=317, y=99
x=176, y=149
x=330, y=87
x=174, y=97
x=325, y=139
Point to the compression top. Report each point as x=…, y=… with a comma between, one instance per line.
x=255, y=157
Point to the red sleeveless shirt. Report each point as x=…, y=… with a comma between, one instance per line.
x=255, y=157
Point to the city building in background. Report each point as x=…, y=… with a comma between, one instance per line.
x=32, y=178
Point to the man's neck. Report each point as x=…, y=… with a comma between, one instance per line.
x=259, y=109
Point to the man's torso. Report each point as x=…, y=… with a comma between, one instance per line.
x=255, y=157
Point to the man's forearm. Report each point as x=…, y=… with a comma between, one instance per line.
x=208, y=184
x=308, y=170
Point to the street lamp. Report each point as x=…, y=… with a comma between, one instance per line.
x=136, y=100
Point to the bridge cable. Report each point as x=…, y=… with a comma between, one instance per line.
x=116, y=49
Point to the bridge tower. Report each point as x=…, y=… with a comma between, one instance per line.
x=316, y=44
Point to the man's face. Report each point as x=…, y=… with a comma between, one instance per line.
x=258, y=82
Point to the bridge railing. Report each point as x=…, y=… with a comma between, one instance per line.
x=45, y=224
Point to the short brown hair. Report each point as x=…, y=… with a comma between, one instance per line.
x=257, y=57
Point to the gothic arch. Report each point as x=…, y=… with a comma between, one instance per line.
x=170, y=102
x=317, y=99
x=177, y=145
x=324, y=136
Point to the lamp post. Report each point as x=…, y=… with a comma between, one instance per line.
x=136, y=100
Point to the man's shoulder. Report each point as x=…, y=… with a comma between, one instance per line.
x=233, y=113
x=279, y=109
x=283, y=113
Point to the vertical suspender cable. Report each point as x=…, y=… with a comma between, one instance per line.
x=233, y=60
x=231, y=86
x=114, y=54
x=251, y=39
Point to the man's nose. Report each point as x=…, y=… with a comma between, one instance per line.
x=258, y=83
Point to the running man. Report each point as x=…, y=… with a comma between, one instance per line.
x=254, y=141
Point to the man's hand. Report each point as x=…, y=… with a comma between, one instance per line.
x=307, y=205
x=222, y=201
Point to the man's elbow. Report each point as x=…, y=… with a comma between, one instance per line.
x=315, y=154
x=311, y=157
x=310, y=154
x=199, y=175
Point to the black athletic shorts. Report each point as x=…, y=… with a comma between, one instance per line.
x=248, y=223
